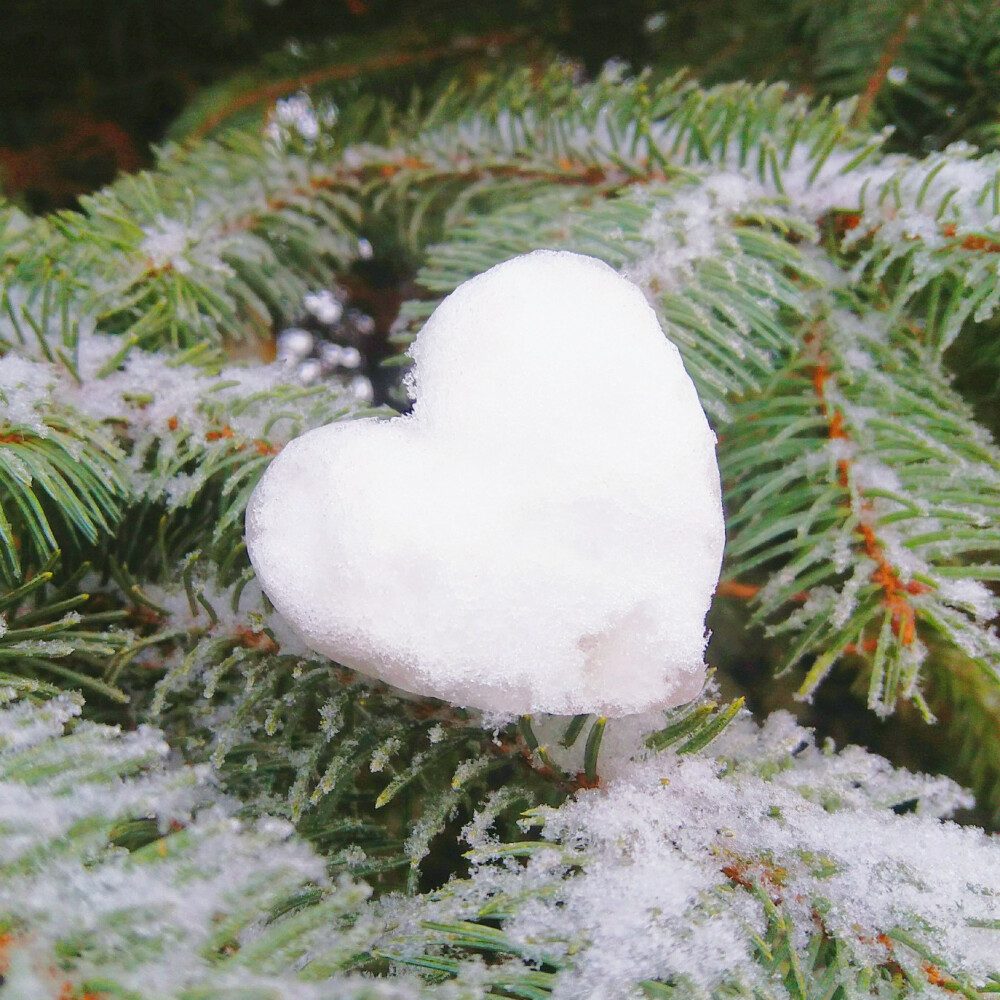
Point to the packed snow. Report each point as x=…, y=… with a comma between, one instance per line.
x=542, y=534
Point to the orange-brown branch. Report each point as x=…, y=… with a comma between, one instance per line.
x=885, y=575
x=733, y=588
x=842, y=222
x=886, y=61
x=747, y=591
x=972, y=241
x=260, y=445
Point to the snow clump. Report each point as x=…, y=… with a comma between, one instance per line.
x=542, y=534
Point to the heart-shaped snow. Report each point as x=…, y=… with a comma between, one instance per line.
x=542, y=533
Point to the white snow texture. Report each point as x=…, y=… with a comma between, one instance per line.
x=542, y=534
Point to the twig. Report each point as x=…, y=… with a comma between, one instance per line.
x=886, y=61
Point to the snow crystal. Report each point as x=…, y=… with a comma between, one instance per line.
x=690, y=227
x=945, y=189
x=350, y=357
x=183, y=246
x=166, y=244
x=872, y=475
x=25, y=724
x=969, y=595
x=151, y=395
x=504, y=546
x=24, y=386
x=614, y=71
x=310, y=371
x=655, y=22
x=297, y=118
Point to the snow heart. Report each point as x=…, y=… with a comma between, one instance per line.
x=542, y=534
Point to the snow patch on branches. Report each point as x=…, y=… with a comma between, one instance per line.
x=661, y=873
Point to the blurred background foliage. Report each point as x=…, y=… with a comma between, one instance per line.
x=89, y=87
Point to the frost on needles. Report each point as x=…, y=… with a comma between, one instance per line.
x=715, y=874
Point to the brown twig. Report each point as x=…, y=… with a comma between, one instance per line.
x=895, y=592
x=886, y=61
x=747, y=591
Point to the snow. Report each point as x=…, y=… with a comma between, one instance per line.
x=691, y=227
x=25, y=387
x=173, y=245
x=150, y=394
x=294, y=344
x=166, y=244
x=542, y=534
x=24, y=725
x=296, y=118
x=647, y=877
x=969, y=595
x=147, y=923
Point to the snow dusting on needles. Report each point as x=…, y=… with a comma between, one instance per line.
x=543, y=533
x=297, y=118
x=24, y=387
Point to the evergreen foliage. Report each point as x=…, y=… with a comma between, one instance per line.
x=290, y=829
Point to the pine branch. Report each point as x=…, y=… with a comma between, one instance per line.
x=639, y=164
x=905, y=518
x=60, y=484
x=161, y=892
x=144, y=261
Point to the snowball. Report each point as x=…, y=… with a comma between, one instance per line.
x=542, y=534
